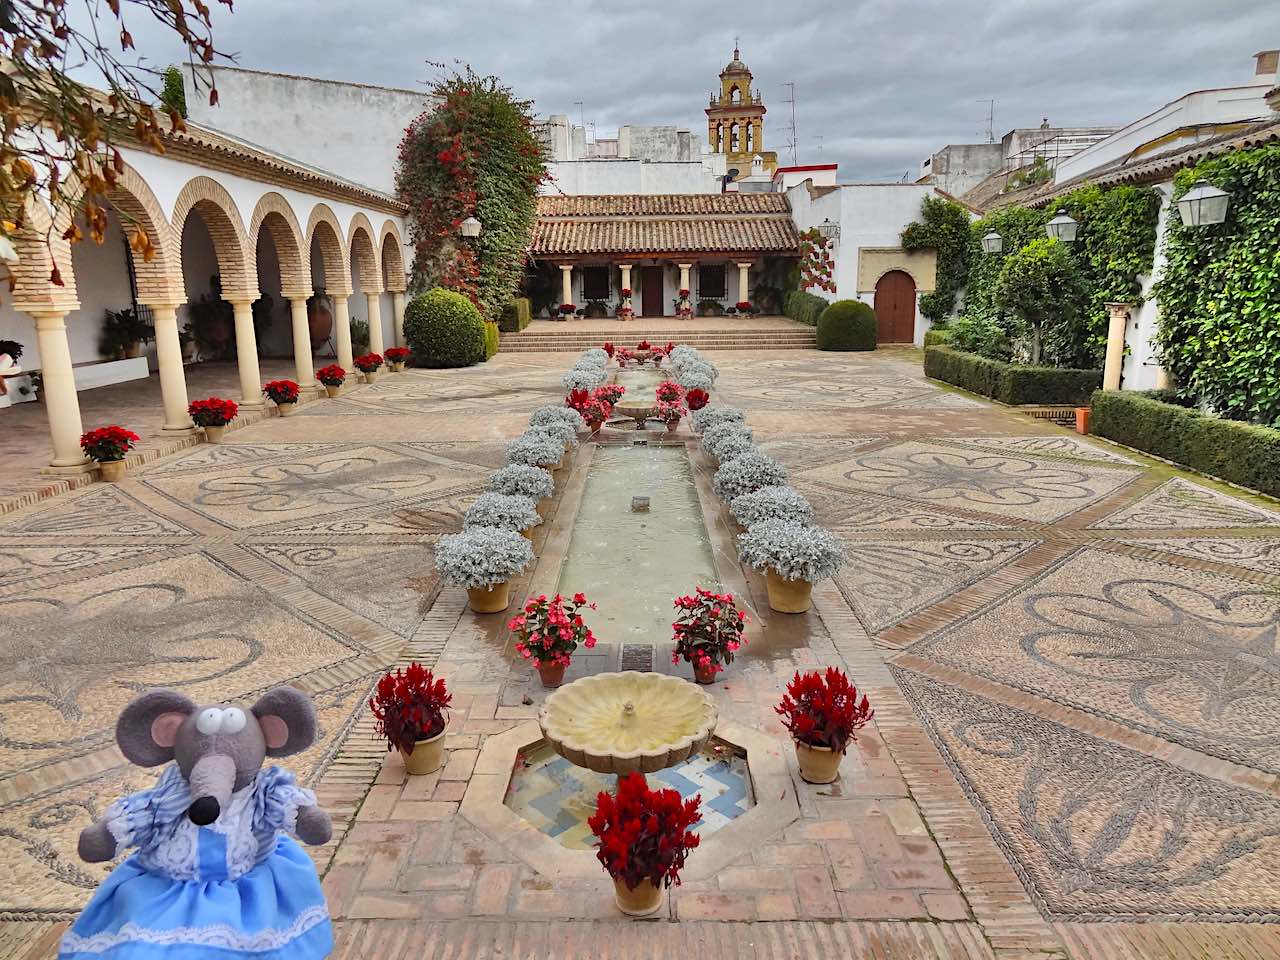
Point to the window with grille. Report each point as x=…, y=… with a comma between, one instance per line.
x=711, y=282
x=595, y=283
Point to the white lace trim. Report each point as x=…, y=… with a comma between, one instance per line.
x=117, y=823
x=219, y=935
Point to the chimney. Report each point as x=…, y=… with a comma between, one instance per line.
x=1266, y=63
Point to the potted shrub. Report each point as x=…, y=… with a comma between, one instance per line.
x=670, y=412
x=551, y=414
x=708, y=630
x=283, y=393
x=822, y=711
x=623, y=356
x=368, y=364
x=213, y=414
x=566, y=310
x=523, y=480
x=727, y=441
x=608, y=348
x=682, y=305
x=743, y=306
x=794, y=556
x=771, y=503
x=748, y=471
x=625, y=311
x=696, y=399
x=596, y=412
x=332, y=377
x=508, y=511
x=549, y=631
x=696, y=375
x=710, y=416
x=668, y=390
x=397, y=357
x=644, y=837
x=108, y=446
x=483, y=559
x=583, y=378
x=566, y=434
x=536, y=449
x=411, y=708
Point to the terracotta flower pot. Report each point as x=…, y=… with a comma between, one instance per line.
x=331, y=391
x=551, y=674
x=818, y=764
x=398, y=366
x=1082, y=419
x=491, y=599
x=673, y=426
x=286, y=408
x=645, y=899
x=112, y=470
x=543, y=506
x=426, y=755
x=704, y=675
x=215, y=434
x=527, y=533
x=595, y=425
x=371, y=376
x=133, y=350
x=788, y=596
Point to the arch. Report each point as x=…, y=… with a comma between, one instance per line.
x=41, y=247
x=360, y=243
x=274, y=214
x=735, y=94
x=238, y=270
x=323, y=228
x=391, y=252
x=895, y=307
x=160, y=278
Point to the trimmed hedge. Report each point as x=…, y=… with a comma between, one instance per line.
x=444, y=329
x=847, y=325
x=1238, y=452
x=936, y=336
x=1010, y=382
x=804, y=307
x=516, y=315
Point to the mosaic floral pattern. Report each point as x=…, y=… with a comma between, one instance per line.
x=1251, y=554
x=1182, y=505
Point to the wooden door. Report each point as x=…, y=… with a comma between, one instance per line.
x=895, y=308
x=651, y=292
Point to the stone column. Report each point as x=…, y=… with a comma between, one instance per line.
x=566, y=283
x=744, y=284
x=1114, y=363
x=173, y=379
x=375, y=321
x=247, y=355
x=304, y=371
x=342, y=330
x=684, y=276
x=757, y=134
x=61, y=403
x=397, y=317
x=626, y=276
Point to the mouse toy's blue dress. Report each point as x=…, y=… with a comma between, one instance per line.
x=237, y=888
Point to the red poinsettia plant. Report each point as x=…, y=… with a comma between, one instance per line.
x=669, y=347
x=396, y=354
x=743, y=306
x=609, y=348
x=368, y=362
x=626, y=293
x=548, y=631
x=281, y=391
x=610, y=393
x=823, y=710
x=566, y=309
x=644, y=346
x=697, y=398
x=670, y=411
x=108, y=443
x=669, y=390
x=332, y=375
x=644, y=835
x=683, y=293
x=410, y=705
x=214, y=412
x=708, y=630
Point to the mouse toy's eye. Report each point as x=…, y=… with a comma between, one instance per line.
x=233, y=720
x=209, y=721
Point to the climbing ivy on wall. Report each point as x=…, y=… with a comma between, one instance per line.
x=473, y=154
x=1219, y=294
x=943, y=227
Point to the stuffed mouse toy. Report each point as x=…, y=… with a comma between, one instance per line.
x=215, y=873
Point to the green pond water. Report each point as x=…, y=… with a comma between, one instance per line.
x=634, y=564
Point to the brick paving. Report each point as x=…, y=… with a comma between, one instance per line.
x=949, y=833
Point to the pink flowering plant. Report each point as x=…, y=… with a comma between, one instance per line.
x=548, y=631
x=708, y=630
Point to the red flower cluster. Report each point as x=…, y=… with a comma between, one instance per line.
x=697, y=398
x=670, y=411
x=281, y=391
x=669, y=347
x=214, y=412
x=396, y=354
x=708, y=631
x=610, y=393
x=550, y=630
x=608, y=348
x=683, y=294
x=669, y=391
x=410, y=705
x=369, y=362
x=644, y=834
x=743, y=305
x=332, y=375
x=108, y=443
x=594, y=406
x=824, y=711
x=644, y=345
x=817, y=265
x=566, y=308
x=626, y=292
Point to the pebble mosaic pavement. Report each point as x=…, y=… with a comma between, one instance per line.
x=1072, y=650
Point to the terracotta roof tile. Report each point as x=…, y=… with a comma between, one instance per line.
x=662, y=204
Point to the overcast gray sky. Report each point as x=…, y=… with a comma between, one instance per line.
x=882, y=82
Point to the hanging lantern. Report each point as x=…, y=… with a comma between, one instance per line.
x=992, y=243
x=1203, y=205
x=1062, y=227
x=470, y=228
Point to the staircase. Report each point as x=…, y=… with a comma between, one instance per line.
x=567, y=341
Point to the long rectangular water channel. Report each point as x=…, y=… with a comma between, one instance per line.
x=633, y=564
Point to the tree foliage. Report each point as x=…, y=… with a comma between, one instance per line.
x=60, y=136
x=1040, y=287
x=943, y=227
x=474, y=153
x=1219, y=294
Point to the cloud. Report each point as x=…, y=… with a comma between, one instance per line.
x=884, y=84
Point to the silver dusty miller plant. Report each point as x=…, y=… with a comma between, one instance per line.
x=482, y=556
x=792, y=550
x=522, y=480
x=750, y=471
x=771, y=503
x=716, y=413
x=583, y=378
x=561, y=414
x=725, y=441
x=509, y=511
x=535, y=448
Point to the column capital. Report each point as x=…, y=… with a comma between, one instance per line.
x=686, y=266
x=745, y=265
x=373, y=293
x=1119, y=308
x=565, y=266
x=49, y=319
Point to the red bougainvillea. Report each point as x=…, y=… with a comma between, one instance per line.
x=824, y=710
x=410, y=705
x=817, y=265
x=644, y=835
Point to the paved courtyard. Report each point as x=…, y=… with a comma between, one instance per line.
x=1072, y=651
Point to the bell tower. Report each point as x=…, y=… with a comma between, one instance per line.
x=735, y=121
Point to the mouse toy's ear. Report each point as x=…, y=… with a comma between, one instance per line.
x=288, y=720
x=148, y=727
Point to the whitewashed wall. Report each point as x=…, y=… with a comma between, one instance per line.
x=612, y=177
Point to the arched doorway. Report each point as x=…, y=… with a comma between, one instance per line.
x=895, y=307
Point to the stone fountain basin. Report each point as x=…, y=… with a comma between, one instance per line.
x=589, y=724
x=634, y=409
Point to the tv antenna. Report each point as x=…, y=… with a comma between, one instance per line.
x=819, y=139
x=991, y=118
x=791, y=99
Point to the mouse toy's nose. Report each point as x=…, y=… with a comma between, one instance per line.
x=204, y=811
